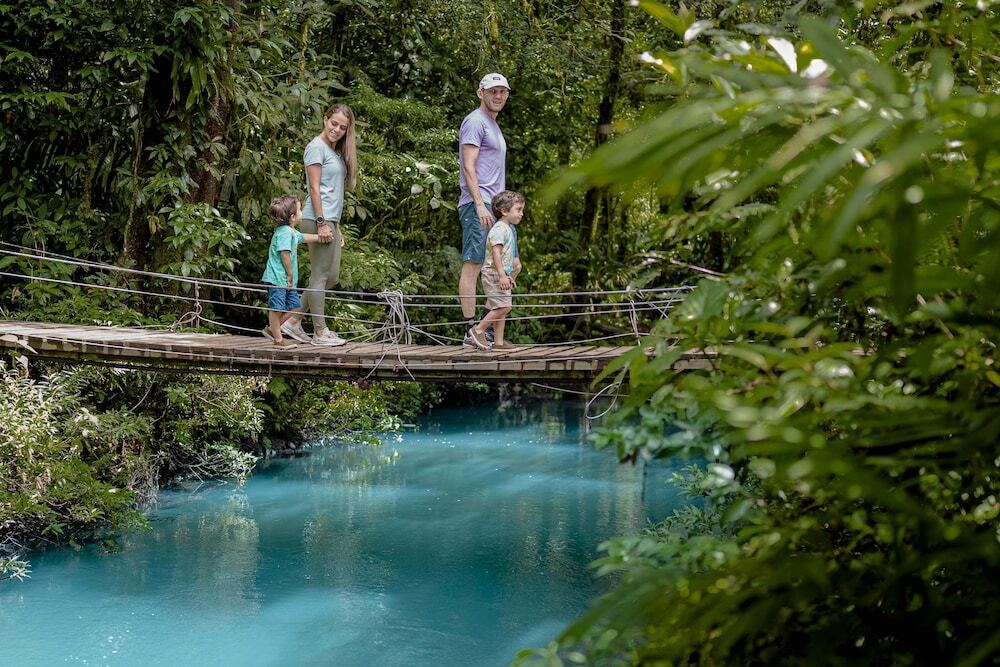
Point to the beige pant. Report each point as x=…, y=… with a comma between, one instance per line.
x=496, y=297
x=324, y=271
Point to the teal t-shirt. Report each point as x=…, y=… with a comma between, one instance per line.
x=505, y=235
x=285, y=237
x=331, y=180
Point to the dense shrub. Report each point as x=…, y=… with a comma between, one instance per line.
x=850, y=417
x=58, y=478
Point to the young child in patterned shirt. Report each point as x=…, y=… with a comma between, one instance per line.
x=500, y=269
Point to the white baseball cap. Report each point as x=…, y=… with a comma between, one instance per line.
x=492, y=81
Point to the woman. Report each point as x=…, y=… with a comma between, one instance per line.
x=331, y=161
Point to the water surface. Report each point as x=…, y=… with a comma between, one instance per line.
x=458, y=543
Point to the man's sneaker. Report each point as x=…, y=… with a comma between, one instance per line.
x=479, y=339
x=327, y=338
x=469, y=341
x=294, y=331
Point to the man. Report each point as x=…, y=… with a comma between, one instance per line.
x=482, y=154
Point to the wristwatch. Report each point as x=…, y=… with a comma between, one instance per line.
x=320, y=220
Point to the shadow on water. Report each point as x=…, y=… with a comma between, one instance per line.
x=457, y=543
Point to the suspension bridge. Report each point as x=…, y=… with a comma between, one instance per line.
x=382, y=334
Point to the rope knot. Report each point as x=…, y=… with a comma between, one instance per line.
x=397, y=327
x=192, y=317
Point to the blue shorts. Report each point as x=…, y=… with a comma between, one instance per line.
x=473, y=235
x=283, y=298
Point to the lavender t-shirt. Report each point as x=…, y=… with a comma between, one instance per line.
x=480, y=130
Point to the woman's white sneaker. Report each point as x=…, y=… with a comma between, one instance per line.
x=327, y=338
x=294, y=331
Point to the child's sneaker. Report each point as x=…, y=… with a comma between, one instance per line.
x=267, y=333
x=294, y=331
x=479, y=339
x=283, y=343
x=490, y=338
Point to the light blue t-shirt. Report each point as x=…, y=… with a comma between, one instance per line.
x=331, y=180
x=478, y=129
x=285, y=237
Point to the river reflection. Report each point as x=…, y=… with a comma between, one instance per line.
x=457, y=543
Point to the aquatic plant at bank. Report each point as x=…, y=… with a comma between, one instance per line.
x=52, y=487
x=82, y=449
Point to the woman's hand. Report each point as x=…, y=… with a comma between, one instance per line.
x=324, y=232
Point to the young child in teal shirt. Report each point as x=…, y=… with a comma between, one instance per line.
x=282, y=270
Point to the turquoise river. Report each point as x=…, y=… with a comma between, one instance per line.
x=458, y=542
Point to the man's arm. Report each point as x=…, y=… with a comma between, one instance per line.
x=470, y=154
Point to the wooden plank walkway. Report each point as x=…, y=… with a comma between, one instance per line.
x=248, y=355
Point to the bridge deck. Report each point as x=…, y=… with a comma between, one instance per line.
x=248, y=355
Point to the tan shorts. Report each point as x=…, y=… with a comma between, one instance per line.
x=495, y=297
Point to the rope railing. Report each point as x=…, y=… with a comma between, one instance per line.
x=397, y=328
x=367, y=298
x=606, y=308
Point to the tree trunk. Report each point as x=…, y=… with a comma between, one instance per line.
x=205, y=175
x=597, y=201
x=206, y=180
x=156, y=100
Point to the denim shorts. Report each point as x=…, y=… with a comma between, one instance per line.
x=473, y=235
x=283, y=298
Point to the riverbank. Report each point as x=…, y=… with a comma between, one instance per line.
x=82, y=448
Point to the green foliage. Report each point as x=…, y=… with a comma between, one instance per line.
x=207, y=422
x=303, y=409
x=53, y=484
x=368, y=267
x=12, y=568
x=204, y=241
x=851, y=413
x=166, y=427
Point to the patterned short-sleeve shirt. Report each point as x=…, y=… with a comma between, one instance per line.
x=502, y=234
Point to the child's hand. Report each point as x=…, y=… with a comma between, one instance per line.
x=506, y=283
x=341, y=240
